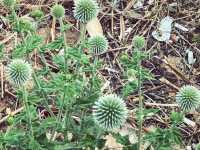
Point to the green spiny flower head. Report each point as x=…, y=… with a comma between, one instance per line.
x=85, y=10
x=188, y=98
x=9, y=3
x=37, y=14
x=110, y=112
x=98, y=44
x=58, y=11
x=138, y=42
x=19, y=72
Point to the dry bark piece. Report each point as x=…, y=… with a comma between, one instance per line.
x=111, y=143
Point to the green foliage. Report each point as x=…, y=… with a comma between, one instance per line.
x=24, y=25
x=58, y=43
x=1, y=51
x=9, y=3
x=138, y=42
x=85, y=10
x=30, y=43
x=164, y=138
x=176, y=118
x=198, y=146
x=130, y=64
x=64, y=107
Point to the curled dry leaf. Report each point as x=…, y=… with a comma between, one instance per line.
x=164, y=31
x=94, y=27
x=111, y=143
x=127, y=130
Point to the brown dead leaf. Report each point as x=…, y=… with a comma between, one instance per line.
x=94, y=27
x=128, y=130
x=111, y=143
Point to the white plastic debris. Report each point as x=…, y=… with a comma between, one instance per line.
x=1, y=26
x=105, y=86
x=150, y=2
x=139, y=4
x=189, y=122
x=188, y=148
x=181, y=27
x=164, y=31
x=128, y=31
x=191, y=60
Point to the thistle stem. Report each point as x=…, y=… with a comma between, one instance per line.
x=65, y=44
x=43, y=94
x=140, y=106
x=28, y=114
x=83, y=33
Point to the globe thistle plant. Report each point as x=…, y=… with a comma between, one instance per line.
x=19, y=72
x=85, y=10
x=58, y=11
x=98, y=44
x=110, y=112
x=188, y=98
x=138, y=42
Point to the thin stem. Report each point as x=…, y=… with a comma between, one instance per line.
x=65, y=71
x=94, y=70
x=43, y=94
x=83, y=33
x=140, y=106
x=65, y=44
x=14, y=14
x=28, y=114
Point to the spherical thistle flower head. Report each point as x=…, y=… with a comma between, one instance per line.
x=138, y=42
x=37, y=14
x=188, y=98
x=58, y=11
x=98, y=44
x=19, y=72
x=85, y=10
x=110, y=112
x=9, y=3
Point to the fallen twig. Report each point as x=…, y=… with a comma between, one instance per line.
x=11, y=114
x=161, y=105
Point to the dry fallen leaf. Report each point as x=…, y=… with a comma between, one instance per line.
x=128, y=130
x=94, y=27
x=111, y=143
